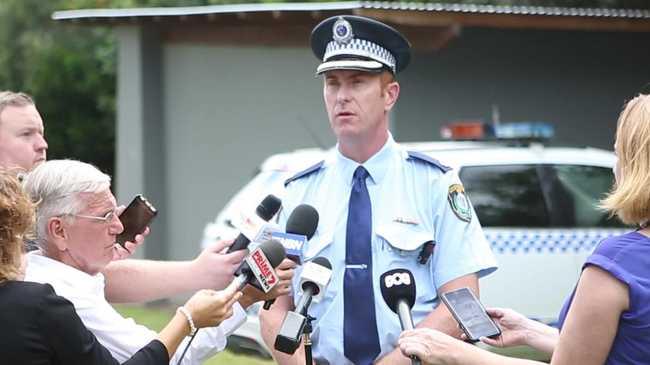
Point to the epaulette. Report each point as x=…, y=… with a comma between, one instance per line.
x=414, y=155
x=305, y=172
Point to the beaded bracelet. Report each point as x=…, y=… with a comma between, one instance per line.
x=187, y=315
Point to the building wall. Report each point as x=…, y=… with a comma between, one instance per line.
x=576, y=80
x=227, y=109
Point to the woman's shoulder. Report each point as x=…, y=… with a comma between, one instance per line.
x=29, y=294
x=626, y=256
x=629, y=244
x=31, y=288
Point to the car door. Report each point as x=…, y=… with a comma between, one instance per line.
x=542, y=221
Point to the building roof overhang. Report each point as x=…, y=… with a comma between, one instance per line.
x=427, y=25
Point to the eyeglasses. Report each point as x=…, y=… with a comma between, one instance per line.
x=106, y=218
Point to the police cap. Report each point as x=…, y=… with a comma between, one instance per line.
x=351, y=42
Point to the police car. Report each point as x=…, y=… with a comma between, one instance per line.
x=537, y=205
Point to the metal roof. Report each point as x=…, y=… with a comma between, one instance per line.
x=98, y=14
x=510, y=9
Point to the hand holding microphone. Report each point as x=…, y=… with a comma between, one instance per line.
x=398, y=290
x=208, y=308
x=257, y=269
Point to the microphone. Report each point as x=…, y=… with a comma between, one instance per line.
x=314, y=279
x=257, y=268
x=398, y=290
x=300, y=228
x=253, y=225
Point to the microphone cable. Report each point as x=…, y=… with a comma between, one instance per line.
x=180, y=359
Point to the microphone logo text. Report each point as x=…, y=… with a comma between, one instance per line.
x=399, y=278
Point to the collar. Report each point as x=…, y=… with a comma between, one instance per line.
x=377, y=165
x=44, y=269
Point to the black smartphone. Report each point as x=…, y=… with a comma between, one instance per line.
x=135, y=219
x=470, y=314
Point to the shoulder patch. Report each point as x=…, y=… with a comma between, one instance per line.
x=414, y=155
x=308, y=171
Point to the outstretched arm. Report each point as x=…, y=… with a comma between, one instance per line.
x=133, y=280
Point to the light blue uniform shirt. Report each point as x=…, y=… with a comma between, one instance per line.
x=409, y=207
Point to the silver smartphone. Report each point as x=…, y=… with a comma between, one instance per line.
x=470, y=314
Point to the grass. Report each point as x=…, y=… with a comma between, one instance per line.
x=156, y=318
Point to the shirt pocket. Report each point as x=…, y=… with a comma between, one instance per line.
x=401, y=245
x=402, y=239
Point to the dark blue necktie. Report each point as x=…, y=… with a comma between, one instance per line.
x=361, y=341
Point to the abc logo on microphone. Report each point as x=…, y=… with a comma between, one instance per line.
x=398, y=278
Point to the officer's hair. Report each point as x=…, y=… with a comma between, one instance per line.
x=56, y=187
x=10, y=98
x=386, y=77
x=630, y=196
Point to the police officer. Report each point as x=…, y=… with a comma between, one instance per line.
x=381, y=207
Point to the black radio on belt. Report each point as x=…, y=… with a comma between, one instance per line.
x=426, y=252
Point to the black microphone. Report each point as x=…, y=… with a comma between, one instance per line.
x=302, y=221
x=266, y=210
x=398, y=290
x=315, y=276
x=258, y=267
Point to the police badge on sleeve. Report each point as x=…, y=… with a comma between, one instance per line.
x=459, y=202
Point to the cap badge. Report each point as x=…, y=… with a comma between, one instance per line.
x=342, y=31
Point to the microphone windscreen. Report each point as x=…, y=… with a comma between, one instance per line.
x=268, y=207
x=322, y=261
x=274, y=252
x=398, y=284
x=303, y=220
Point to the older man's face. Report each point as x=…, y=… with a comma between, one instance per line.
x=90, y=241
x=22, y=144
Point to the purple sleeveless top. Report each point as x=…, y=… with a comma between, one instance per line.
x=627, y=258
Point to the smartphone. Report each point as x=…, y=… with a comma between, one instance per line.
x=135, y=219
x=470, y=314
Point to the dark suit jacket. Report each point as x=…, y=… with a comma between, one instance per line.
x=39, y=327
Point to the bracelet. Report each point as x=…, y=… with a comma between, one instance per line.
x=187, y=315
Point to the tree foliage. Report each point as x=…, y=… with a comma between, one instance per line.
x=70, y=70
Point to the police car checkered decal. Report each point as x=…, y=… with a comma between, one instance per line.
x=543, y=241
x=360, y=47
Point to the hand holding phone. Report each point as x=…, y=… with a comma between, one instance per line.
x=470, y=314
x=135, y=219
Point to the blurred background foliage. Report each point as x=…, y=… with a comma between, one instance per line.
x=70, y=70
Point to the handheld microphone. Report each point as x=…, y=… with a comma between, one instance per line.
x=265, y=211
x=314, y=279
x=257, y=268
x=398, y=290
x=300, y=228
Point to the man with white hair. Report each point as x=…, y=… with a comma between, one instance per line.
x=23, y=146
x=76, y=227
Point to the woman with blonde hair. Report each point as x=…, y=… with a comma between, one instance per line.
x=39, y=327
x=606, y=320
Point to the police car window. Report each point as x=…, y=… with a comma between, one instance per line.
x=506, y=195
x=585, y=186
